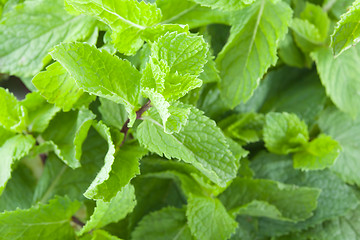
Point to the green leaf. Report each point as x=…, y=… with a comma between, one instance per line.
x=31, y=29
x=67, y=132
x=126, y=18
x=59, y=179
x=113, y=211
x=113, y=114
x=208, y=219
x=340, y=77
x=172, y=219
x=12, y=197
x=116, y=173
x=200, y=143
x=284, y=133
x=227, y=5
x=11, y=151
x=40, y=112
x=346, y=33
x=58, y=87
x=345, y=130
x=260, y=197
x=37, y=223
x=251, y=48
x=318, y=154
x=291, y=54
x=99, y=73
x=13, y=116
x=310, y=30
x=336, y=198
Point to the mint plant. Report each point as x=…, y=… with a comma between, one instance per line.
x=180, y=119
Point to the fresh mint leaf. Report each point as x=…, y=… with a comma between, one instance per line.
x=119, y=81
x=251, y=48
x=126, y=18
x=208, y=218
x=113, y=114
x=208, y=151
x=37, y=223
x=227, y=5
x=346, y=33
x=152, y=226
x=284, y=133
x=32, y=28
x=114, y=210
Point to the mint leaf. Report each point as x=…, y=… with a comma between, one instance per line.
x=113, y=211
x=99, y=73
x=255, y=38
x=172, y=219
x=13, y=116
x=227, y=5
x=100, y=235
x=208, y=219
x=126, y=18
x=346, y=33
x=113, y=114
x=58, y=87
x=40, y=112
x=343, y=89
x=207, y=151
x=37, y=223
x=68, y=139
x=320, y=153
x=260, y=197
x=31, y=29
x=344, y=129
x=284, y=133
x=11, y=151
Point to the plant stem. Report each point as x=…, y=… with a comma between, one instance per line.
x=77, y=221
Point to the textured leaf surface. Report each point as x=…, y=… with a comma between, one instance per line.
x=340, y=77
x=67, y=131
x=347, y=31
x=113, y=211
x=39, y=111
x=28, y=32
x=101, y=74
x=228, y=5
x=11, y=151
x=113, y=114
x=336, y=198
x=200, y=143
x=345, y=130
x=126, y=18
x=37, y=223
x=320, y=153
x=113, y=177
x=251, y=48
x=208, y=219
x=13, y=115
x=284, y=133
x=288, y=202
x=58, y=87
x=152, y=226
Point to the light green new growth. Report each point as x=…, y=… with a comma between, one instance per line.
x=228, y=5
x=347, y=30
x=98, y=72
x=251, y=48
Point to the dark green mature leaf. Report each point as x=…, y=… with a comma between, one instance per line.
x=113, y=211
x=335, y=200
x=208, y=218
x=284, y=133
x=172, y=219
x=67, y=132
x=346, y=33
x=260, y=197
x=37, y=223
x=99, y=73
x=345, y=130
x=11, y=151
x=251, y=48
x=126, y=18
x=31, y=29
x=200, y=143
